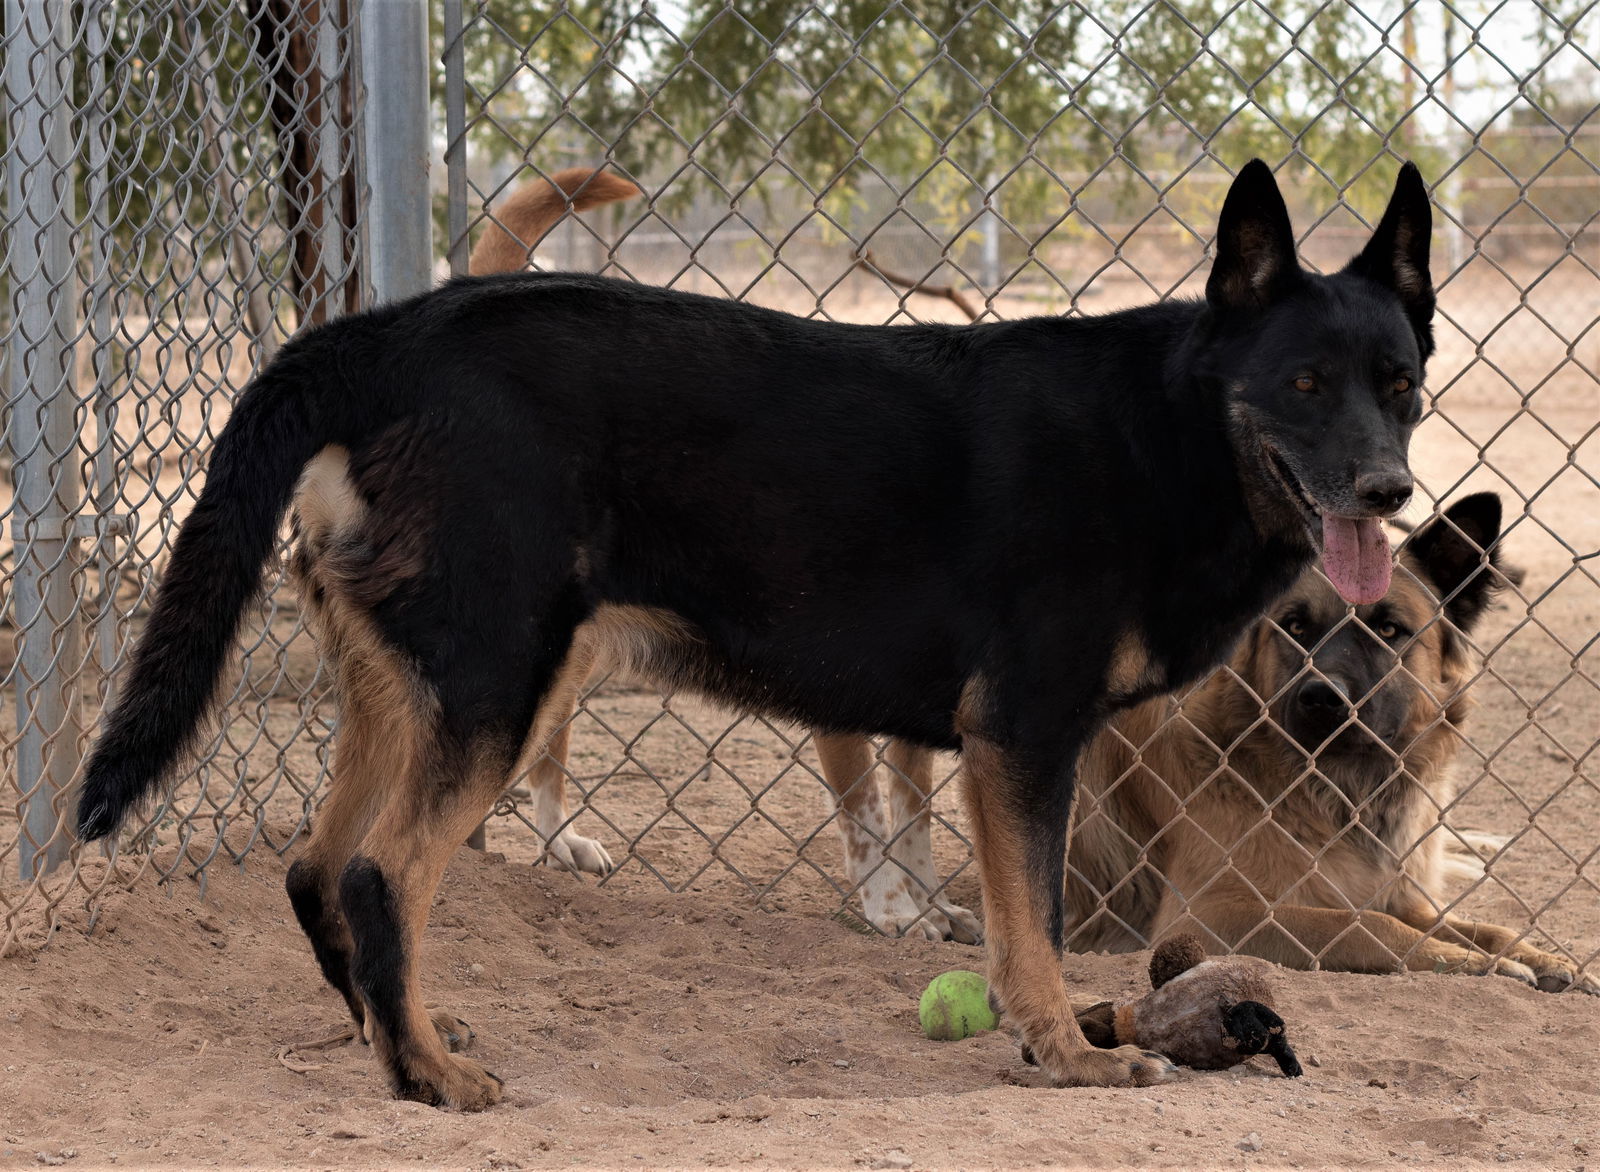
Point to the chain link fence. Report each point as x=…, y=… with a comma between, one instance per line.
x=180, y=197
x=860, y=162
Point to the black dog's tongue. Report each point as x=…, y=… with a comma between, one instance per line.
x=1356, y=558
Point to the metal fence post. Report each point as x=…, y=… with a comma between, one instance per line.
x=39, y=206
x=394, y=69
x=399, y=222
x=455, y=138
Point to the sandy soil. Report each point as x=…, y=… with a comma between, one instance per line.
x=660, y=1029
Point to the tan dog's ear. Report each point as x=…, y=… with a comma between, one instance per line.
x=1459, y=554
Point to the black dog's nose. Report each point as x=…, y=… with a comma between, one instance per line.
x=1384, y=492
x=1321, y=696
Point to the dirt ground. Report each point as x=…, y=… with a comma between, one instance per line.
x=659, y=1029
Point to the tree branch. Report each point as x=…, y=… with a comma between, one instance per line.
x=869, y=263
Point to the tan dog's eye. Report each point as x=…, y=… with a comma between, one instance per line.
x=1388, y=631
x=1402, y=385
x=1294, y=627
x=1305, y=383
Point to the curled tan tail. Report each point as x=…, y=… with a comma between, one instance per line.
x=531, y=210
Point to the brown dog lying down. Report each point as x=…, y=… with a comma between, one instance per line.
x=1318, y=839
x=1349, y=867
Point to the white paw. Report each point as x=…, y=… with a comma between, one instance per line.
x=900, y=915
x=1516, y=970
x=927, y=926
x=573, y=852
x=962, y=925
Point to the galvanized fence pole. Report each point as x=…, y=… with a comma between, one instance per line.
x=103, y=557
x=40, y=208
x=394, y=70
x=455, y=138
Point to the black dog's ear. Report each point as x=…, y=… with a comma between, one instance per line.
x=1255, y=244
x=1397, y=255
x=1451, y=549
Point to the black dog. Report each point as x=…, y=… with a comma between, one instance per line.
x=985, y=538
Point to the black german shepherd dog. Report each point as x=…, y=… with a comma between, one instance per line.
x=982, y=538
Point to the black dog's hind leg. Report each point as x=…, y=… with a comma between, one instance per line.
x=1019, y=803
x=497, y=688
x=368, y=751
x=325, y=928
x=386, y=892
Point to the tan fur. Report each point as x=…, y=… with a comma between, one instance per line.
x=631, y=639
x=1024, y=967
x=1124, y=1025
x=523, y=218
x=382, y=703
x=1130, y=669
x=1202, y=817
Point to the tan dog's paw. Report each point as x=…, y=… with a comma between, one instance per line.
x=458, y=1083
x=1125, y=1066
x=1506, y=967
x=1555, y=974
x=456, y=1034
x=1448, y=958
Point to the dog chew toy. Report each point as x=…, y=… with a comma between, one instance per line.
x=1208, y=1013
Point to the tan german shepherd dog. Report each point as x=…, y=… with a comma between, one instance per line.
x=1295, y=808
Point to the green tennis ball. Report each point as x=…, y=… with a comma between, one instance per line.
x=955, y=1005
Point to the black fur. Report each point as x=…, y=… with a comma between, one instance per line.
x=321, y=926
x=215, y=571
x=1256, y=1029
x=934, y=532
x=379, y=965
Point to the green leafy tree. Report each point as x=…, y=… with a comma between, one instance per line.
x=945, y=99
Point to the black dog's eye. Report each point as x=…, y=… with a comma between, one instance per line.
x=1402, y=385
x=1294, y=626
x=1305, y=383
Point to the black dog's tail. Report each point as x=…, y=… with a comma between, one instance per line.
x=278, y=424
